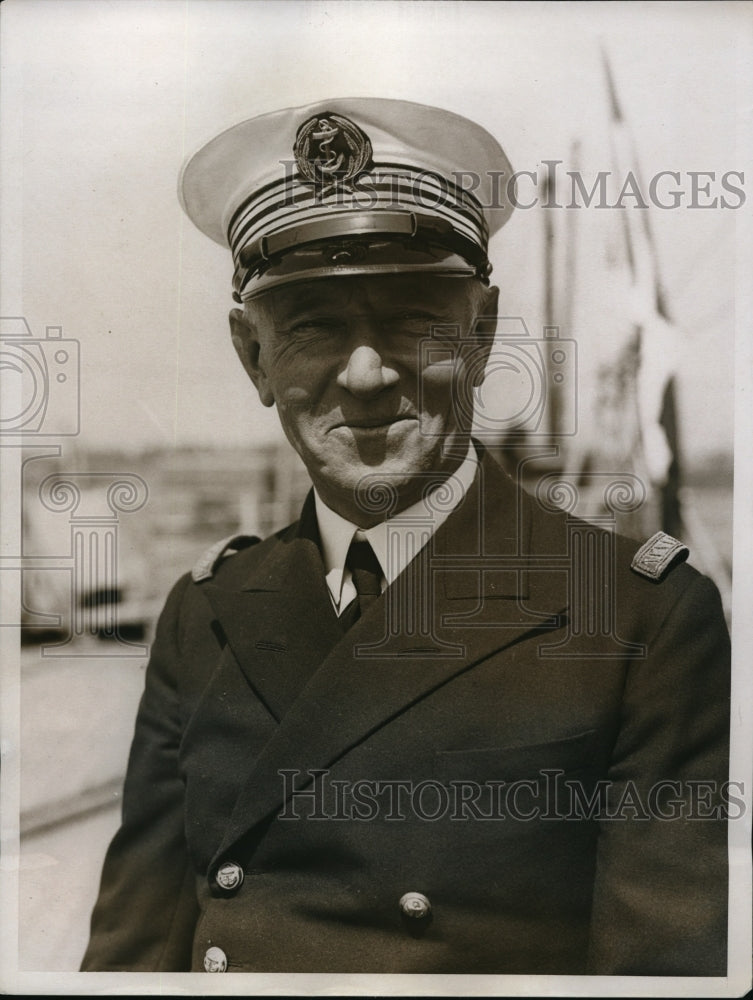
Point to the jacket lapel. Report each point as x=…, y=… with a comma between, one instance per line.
x=279, y=630
x=478, y=577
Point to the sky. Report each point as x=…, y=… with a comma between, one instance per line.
x=103, y=101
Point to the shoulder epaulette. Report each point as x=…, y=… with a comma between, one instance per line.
x=207, y=562
x=658, y=555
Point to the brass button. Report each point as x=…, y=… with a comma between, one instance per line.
x=215, y=960
x=415, y=906
x=229, y=876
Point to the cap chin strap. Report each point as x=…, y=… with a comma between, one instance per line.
x=348, y=243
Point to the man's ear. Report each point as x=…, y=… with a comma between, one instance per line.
x=485, y=327
x=245, y=339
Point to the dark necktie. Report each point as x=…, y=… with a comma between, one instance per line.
x=367, y=579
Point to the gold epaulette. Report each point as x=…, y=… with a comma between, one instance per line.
x=207, y=562
x=658, y=555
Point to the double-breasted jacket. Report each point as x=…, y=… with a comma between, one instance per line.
x=514, y=762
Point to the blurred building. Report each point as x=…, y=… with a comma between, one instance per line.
x=193, y=497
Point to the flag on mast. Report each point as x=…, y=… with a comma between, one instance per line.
x=656, y=336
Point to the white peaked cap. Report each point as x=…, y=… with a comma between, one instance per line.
x=349, y=186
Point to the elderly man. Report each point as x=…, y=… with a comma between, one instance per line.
x=383, y=739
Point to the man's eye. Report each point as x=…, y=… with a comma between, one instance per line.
x=411, y=321
x=410, y=314
x=323, y=324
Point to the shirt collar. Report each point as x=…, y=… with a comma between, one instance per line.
x=396, y=541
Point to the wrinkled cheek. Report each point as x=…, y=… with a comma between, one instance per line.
x=446, y=392
x=301, y=419
x=290, y=408
x=293, y=397
x=294, y=404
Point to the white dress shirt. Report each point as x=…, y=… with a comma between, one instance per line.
x=395, y=542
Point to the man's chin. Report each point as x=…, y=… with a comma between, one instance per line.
x=361, y=475
x=378, y=491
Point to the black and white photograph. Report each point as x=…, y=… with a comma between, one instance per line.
x=375, y=430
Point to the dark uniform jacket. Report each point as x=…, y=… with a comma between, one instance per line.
x=521, y=729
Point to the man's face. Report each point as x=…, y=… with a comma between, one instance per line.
x=341, y=358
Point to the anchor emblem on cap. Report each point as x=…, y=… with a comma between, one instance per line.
x=331, y=150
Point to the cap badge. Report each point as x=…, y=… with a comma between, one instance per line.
x=331, y=151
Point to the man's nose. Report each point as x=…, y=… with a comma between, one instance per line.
x=366, y=372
